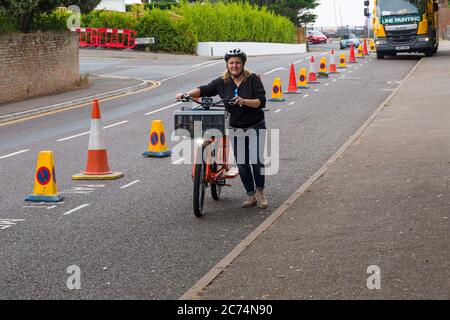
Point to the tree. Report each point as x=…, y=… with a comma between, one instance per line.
x=298, y=11
x=24, y=10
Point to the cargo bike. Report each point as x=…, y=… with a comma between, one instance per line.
x=207, y=123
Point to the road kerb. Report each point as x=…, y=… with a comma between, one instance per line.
x=71, y=103
x=195, y=291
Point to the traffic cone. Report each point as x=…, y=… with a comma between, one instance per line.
x=323, y=68
x=342, y=61
x=302, y=79
x=292, y=82
x=372, y=46
x=312, y=76
x=157, y=147
x=333, y=62
x=277, y=95
x=352, y=58
x=97, y=167
x=365, y=51
x=45, y=188
x=359, y=53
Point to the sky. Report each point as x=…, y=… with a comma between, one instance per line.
x=348, y=12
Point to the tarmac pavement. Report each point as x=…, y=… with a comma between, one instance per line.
x=378, y=217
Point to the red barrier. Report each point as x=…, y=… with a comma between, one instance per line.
x=106, y=37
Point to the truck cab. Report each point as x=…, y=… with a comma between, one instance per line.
x=405, y=26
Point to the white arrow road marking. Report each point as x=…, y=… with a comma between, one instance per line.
x=76, y=209
x=130, y=184
x=171, y=106
x=7, y=223
x=276, y=111
x=14, y=153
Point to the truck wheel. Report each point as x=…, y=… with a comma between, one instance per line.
x=429, y=52
x=380, y=55
x=435, y=50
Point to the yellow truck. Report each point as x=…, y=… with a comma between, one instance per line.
x=405, y=26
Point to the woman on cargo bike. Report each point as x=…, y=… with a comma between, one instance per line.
x=247, y=93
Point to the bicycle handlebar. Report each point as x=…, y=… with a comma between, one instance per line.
x=206, y=103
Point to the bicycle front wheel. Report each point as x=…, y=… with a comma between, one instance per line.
x=199, y=189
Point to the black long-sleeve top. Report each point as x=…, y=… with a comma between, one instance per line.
x=250, y=88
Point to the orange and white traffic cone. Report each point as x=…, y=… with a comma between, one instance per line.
x=292, y=88
x=97, y=167
x=333, y=68
x=312, y=75
x=365, y=51
x=352, y=58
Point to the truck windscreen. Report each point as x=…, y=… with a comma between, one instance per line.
x=398, y=7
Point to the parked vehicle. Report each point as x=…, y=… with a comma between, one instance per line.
x=316, y=37
x=347, y=40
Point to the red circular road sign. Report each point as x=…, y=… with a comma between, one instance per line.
x=275, y=89
x=162, y=137
x=302, y=78
x=43, y=175
x=322, y=66
x=342, y=60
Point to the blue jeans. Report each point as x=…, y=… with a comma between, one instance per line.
x=249, y=155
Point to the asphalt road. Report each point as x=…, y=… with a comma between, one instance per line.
x=142, y=241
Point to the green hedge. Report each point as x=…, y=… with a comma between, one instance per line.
x=171, y=35
x=237, y=22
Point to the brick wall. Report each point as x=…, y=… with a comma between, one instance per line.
x=37, y=64
x=444, y=21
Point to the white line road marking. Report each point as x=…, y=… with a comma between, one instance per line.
x=387, y=89
x=171, y=106
x=115, y=124
x=203, y=63
x=291, y=103
x=349, y=71
x=74, y=136
x=189, y=71
x=327, y=84
x=306, y=95
x=334, y=80
x=91, y=186
x=76, y=209
x=130, y=184
x=13, y=154
x=276, y=111
x=394, y=82
x=316, y=90
x=273, y=70
x=7, y=223
x=178, y=161
x=298, y=61
x=75, y=192
x=356, y=68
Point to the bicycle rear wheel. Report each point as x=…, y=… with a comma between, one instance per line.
x=199, y=189
x=216, y=188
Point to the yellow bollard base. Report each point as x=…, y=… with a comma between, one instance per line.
x=111, y=176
